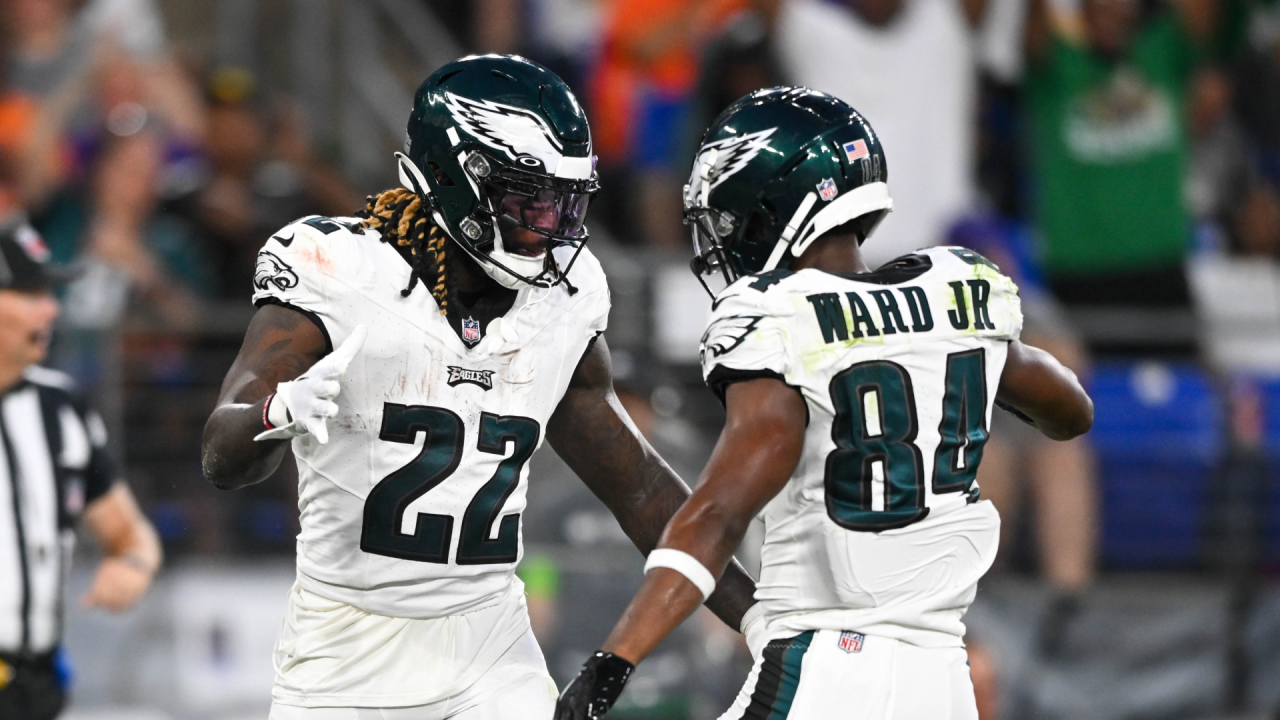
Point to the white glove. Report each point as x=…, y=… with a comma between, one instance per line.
x=755, y=630
x=304, y=405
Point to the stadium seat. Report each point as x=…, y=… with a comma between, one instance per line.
x=1159, y=434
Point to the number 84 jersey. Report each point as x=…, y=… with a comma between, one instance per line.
x=880, y=529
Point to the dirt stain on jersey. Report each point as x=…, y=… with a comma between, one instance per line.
x=315, y=257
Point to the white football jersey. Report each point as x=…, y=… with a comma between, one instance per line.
x=880, y=529
x=413, y=507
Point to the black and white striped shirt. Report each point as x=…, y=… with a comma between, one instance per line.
x=53, y=463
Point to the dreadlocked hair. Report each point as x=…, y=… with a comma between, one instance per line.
x=400, y=217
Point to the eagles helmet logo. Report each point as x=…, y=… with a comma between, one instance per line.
x=274, y=272
x=721, y=159
x=505, y=128
x=727, y=333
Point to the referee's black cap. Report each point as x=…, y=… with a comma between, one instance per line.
x=24, y=260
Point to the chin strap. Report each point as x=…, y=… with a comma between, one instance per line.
x=799, y=234
x=793, y=225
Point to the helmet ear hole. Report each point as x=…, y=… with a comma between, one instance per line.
x=410, y=176
x=769, y=208
x=755, y=231
x=442, y=177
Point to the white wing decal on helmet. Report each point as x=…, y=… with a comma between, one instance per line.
x=719, y=160
x=508, y=129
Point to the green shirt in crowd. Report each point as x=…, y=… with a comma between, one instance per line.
x=1109, y=146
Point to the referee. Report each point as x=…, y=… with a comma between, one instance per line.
x=54, y=471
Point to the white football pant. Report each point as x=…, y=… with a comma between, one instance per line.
x=826, y=674
x=516, y=687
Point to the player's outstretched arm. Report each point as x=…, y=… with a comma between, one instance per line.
x=1045, y=391
x=757, y=452
x=279, y=346
x=593, y=434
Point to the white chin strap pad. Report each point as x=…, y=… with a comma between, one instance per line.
x=529, y=267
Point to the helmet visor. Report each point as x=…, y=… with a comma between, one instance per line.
x=551, y=207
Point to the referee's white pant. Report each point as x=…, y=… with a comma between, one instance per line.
x=820, y=675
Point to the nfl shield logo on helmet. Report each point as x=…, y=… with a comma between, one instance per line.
x=470, y=330
x=851, y=642
x=827, y=189
x=856, y=150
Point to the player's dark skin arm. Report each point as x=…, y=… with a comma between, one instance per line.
x=279, y=346
x=593, y=434
x=1043, y=389
x=758, y=451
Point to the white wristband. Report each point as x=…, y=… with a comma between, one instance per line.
x=685, y=564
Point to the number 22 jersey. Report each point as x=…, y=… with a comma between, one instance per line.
x=880, y=529
x=412, y=509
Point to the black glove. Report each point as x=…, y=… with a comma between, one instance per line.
x=596, y=688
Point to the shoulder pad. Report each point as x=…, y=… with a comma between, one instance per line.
x=751, y=294
x=318, y=228
x=958, y=258
x=972, y=257
x=765, y=280
x=297, y=263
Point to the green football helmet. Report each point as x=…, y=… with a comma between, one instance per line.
x=775, y=171
x=500, y=148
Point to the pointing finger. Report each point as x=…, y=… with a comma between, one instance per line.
x=341, y=358
x=320, y=430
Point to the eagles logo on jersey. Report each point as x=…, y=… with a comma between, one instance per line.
x=727, y=333
x=271, y=271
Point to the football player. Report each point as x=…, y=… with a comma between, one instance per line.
x=415, y=358
x=857, y=404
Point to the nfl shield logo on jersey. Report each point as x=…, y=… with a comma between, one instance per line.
x=851, y=642
x=827, y=189
x=470, y=330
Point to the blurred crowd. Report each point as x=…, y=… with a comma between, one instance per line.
x=1095, y=143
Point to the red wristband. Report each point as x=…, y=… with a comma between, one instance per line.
x=265, y=407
